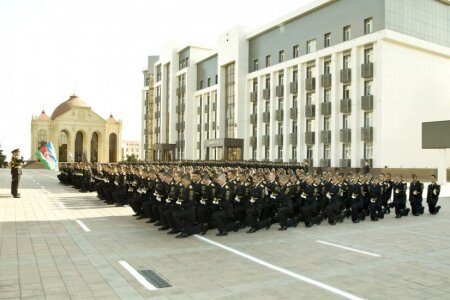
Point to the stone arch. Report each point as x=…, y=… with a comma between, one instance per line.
x=63, y=144
x=95, y=140
x=42, y=138
x=113, y=147
x=80, y=154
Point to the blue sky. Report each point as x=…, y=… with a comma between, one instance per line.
x=50, y=48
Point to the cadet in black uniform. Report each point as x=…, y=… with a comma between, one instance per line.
x=415, y=196
x=16, y=171
x=223, y=215
x=433, y=196
x=399, y=188
x=376, y=209
x=256, y=205
x=284, y=203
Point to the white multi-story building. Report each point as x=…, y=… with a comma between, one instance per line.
x=131, y=148
x=336, y=82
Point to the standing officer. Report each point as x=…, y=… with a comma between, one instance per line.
x=16, y=171
x=433, y=196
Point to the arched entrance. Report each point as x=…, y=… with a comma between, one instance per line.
x=94, y=147
x=79, y=147
x=62, y=153
x=113, y=148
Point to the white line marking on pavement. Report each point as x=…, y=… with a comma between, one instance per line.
x=138, y=276
x=350, y=249
x=281, y=270
x=83, y=226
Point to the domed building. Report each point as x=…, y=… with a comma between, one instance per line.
x=78, y=133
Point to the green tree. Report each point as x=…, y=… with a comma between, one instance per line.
x=2, y=158
x=131, y=158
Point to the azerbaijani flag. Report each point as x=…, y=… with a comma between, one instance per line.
x=46, y=155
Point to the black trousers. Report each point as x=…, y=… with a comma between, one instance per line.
x=223, y=220
x=400, y=205
x=432, y=205
x=333, y=211
x=15, y=184
x=416, y=206
x=284, y=212
x=309, y=212
x=357, y=207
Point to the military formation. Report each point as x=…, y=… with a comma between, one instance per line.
x=183, y=199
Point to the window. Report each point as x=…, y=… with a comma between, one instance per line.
x=309, y=71
x=326, y=67
x=368, y=55
x=266, y=152
x=280, y=103
x=230, y=101
x=209, y=82
x=327, y=40
x=280, y=152
x=368, y=26
x=217, y=79
x=280, y=128
x=267, y=106
x=294, y=152
x=310, y=98
x=346, y=61
x=295, y=51
x=368, y=150
x=280, y=79
x=326, y=95
x=294, y=127
x=326, y=151
x=255, y=65
x=326, y=123
x=281, y=56
x=346, y=91
x=255, y=130
x=266, y=129
x=309, y=125
x=295, y=75
x=268, y=82
x=368, y=88
x=268, y=61
x=294, y=101
x=346, y=151
x=254, y=153
x=201, y=84
x=346, y=122
x=310, y=46
x=367, y=119
x=309, y=152
x=347, y=33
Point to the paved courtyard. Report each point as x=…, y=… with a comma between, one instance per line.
x=57, y=243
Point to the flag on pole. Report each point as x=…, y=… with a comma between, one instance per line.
x=47, y=156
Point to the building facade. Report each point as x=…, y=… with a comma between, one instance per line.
x=77, y=133
x=131, y=148
x=336, y=83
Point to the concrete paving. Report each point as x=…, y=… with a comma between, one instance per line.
x=46, y=254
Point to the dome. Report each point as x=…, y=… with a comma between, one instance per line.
x=74, y=101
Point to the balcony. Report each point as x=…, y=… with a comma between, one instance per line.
x=180, y=108
x=367, y=102
x=310, y=138
x=345, y=136
x=293, y=113
x=214, y=106
x=157, y=114
x=266, y=94
x=345, y=163
x=310, y=84
x=179, y=126
x=206, y=126
x=206, y=109
x=293, y=138
x=367, y=70
x=279, y=115
x=325, y=163
x=253, y=96
x=294, y=87
x=279, y=91
x=199, y=127
x=325, y=108
x=346, y=106
x=157, y=130
x=325, y=136
x=266, y=140
x=279, y=140
x=253, y=141
x=157, y=99
x=367, y=134
x=326, y=80
x=346, y=75
x=253, y=119
x=266, y=117
x=310, y=111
